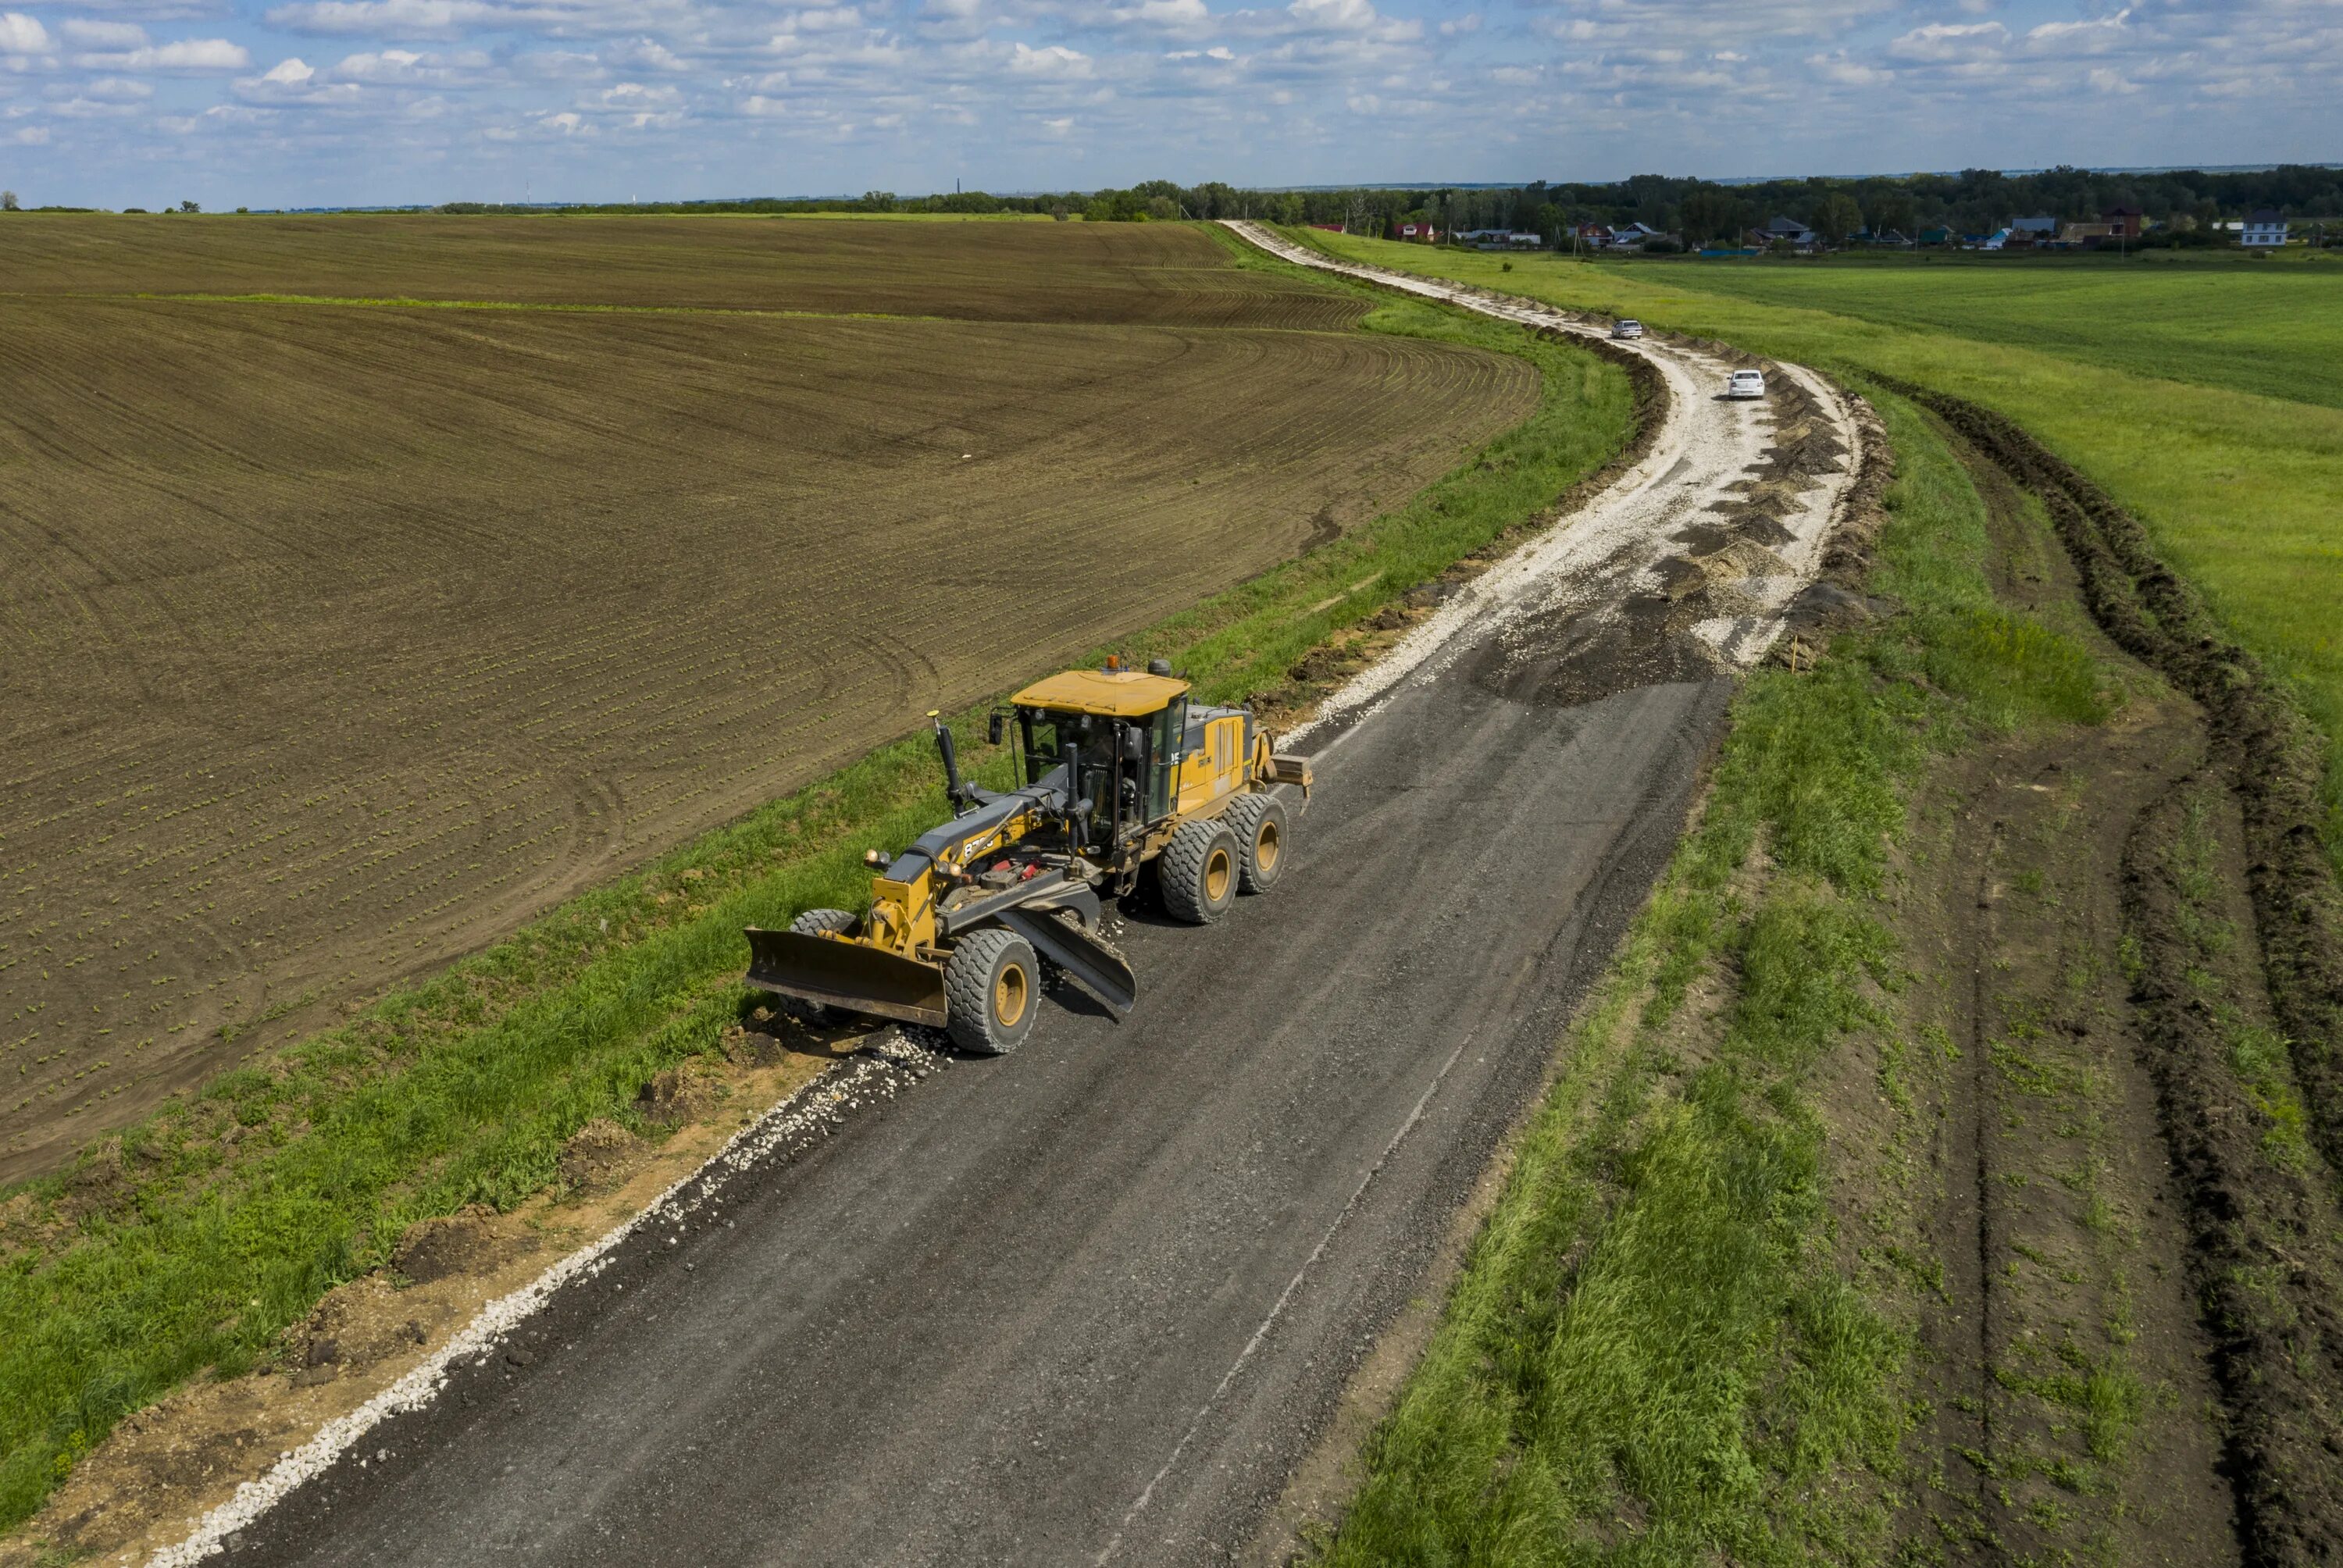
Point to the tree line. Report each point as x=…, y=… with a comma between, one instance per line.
x=1973, y=201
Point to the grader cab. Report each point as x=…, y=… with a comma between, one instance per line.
x=1120, y=774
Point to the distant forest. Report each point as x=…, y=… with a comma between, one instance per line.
x=1974, y=201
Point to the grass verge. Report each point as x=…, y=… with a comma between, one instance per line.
x=1655, y=1353
x=191, y=1241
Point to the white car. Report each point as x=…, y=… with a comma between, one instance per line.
x=1627, y=326
x=1746, y=384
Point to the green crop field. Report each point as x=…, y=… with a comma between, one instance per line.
x=2208, y=398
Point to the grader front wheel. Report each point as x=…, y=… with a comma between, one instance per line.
x=993, y=985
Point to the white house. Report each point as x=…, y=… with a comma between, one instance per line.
x=2264, y=230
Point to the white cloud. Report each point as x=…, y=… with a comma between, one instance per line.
x=950, y=19
x=87, y=34
x=290, y=73
x=182, y=55
x=31, y=136
x=643, y=55
x=637, y=97
x=108, y=89
x=558, y=65
x=1055, y=62
x=386, y=18
x=82, y=107
x=23, y=34
x=408, y=68
x=1458, y=26
x=1841, y=71
x=1950, y=41
x=2079, y=38
x=1177, y=15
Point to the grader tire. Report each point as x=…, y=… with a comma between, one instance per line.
x=1198, y=872
x=1258, y=822
x=814, y=923
x=993, y=989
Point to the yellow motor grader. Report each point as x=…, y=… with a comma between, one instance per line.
x=1120, y=773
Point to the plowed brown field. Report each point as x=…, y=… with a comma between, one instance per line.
x=982, y=271
x=343, y=638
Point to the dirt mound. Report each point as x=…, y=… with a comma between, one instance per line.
x=676, y=1095
x=447, y=1245
x=594, y=1155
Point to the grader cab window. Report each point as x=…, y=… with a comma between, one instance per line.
x=1094, y=743
x=1167, y=727
x=1123, y=766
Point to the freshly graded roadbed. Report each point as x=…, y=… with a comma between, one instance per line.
x=1090, y=1303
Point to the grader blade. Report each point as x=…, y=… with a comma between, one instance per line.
x=1082, y=957
x=847, y=975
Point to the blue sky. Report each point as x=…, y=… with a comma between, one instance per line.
x=273, y=103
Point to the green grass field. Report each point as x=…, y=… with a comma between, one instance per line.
x=2270, y=331
x=2208, y=398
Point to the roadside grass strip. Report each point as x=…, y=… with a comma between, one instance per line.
x=191, y=1241
x=1655, y=1353
x=2237, y=484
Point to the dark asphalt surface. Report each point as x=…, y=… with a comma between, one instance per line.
x=1092, y=1301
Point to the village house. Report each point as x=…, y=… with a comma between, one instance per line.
x=2264, y=230
x=1787, y=231
x=1501, y=239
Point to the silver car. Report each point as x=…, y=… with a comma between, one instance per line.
x=1627, y=326
x=1746, y=384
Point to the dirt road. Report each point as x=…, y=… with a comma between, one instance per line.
x=1087, y=1304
